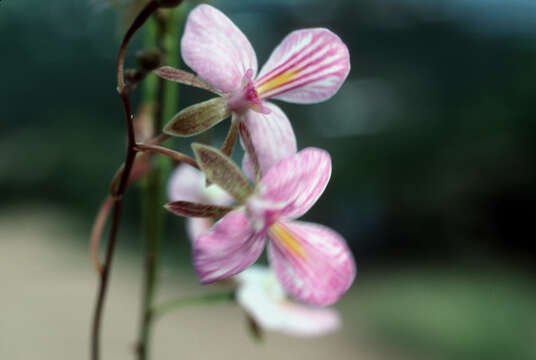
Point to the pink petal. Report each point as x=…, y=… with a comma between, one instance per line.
x=312, y=261
x=297, y=181
x=272, y=137
x=197, y=226
x=216, y=49
x=227, y=248
x=308, y=66
x=185, y=184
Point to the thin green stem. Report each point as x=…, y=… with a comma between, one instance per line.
x=176, y=304
x=154, y=93
x=163, y=33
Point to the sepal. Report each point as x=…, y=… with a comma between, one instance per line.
x=190, y=209
x=198, y=118
x=183, y=77
x=220, y=169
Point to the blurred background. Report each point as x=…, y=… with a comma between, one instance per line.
x=434, y=182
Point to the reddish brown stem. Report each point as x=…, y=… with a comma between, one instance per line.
x=142, y=17
x=96, y=232
x=177, y=156
x=118, y=203
x=159, y=139
x=118, y=195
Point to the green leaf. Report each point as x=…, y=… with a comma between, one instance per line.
x=221, y=170
x=198, y=118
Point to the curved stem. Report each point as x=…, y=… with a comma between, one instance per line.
x=119, y=193
x=175, y=155
x=159, y=139
x=172, y=305
x=165, y=36
x=96, y=231
x=103, y=285
x=142, y=17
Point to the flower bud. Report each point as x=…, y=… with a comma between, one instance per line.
x=149, y=59
x=169, y=3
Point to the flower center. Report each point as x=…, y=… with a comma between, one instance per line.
x=261, y=213
x=246, y=97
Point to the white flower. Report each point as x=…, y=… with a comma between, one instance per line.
x=264, y=299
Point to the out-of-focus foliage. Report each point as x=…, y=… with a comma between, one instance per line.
x=431, y=136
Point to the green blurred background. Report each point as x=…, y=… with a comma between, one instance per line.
x=433, y=185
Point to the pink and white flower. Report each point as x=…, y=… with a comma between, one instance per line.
x=261, y=295
x=312, y=262
x=308, y=66
x=258, y=291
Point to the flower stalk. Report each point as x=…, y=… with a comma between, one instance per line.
x=119, y=191
x=163, y=33
x=176, y=304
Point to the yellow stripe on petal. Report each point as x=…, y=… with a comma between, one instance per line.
x=276, y=82
x=287, y=240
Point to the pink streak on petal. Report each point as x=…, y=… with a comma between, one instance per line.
x=247, y=167
x=297, y=181
x=185, y=184
x=216, y=49
x=197, y=226
x=272, y=136
x=325, y=272
x=229, y=247
x=317, y=60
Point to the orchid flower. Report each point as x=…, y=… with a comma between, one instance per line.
x=258, y=291
x=263, y=298
x=312, y=262
x=189, y=184
x=309, y=66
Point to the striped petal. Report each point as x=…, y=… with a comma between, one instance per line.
x=312, y=261
x=227, y=248
x=297, y=181
x=216, y=49
x=272, y=137
x=262, y=296
x=309, y=66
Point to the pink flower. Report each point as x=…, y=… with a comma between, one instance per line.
x=263, y=298
x=309, y=66
x=258, y=291
x=189, y=184
x=312, y=262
